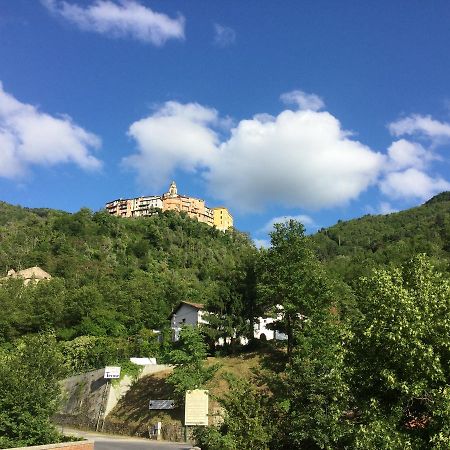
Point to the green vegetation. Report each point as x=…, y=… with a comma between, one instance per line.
x=113, y=277
x=29, y=391
x=189, y=355
x=352, y=249
x=366, y=312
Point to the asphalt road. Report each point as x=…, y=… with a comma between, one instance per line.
x=113, y=442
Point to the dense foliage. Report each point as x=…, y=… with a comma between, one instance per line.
x=29, y=391
x=189, y=357
x=352, y=249
x=112, y=277
x=377, y=381
x=366, y=364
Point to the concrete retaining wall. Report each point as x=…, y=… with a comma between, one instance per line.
x=89, y=398
x=85, y=445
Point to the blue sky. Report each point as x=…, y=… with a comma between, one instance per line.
x=321, y=110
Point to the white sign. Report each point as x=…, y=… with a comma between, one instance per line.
x=143, y=361
x=161, y=404
x=112, y=372
x=196, y=407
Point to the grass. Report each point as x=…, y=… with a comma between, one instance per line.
x=132, y=416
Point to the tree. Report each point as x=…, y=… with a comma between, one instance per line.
x=246, y=423
x=312, y=394
x=290, y=276
x=189, y=356
x=401, y=359
x=29, y=391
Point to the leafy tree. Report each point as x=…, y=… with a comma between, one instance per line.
x=189, y=356
x=290, y=276
x=29, y=391
x=246, y=423
x=312, y=393
x=401, y=359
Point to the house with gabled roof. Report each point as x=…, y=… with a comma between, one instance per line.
x=190, y=313
x=186, y=313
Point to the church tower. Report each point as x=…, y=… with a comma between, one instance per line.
x=173, y=192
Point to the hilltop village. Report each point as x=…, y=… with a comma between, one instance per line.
x=195, y=208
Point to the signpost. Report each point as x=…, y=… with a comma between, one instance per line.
x=161, y=404
x=112, y=372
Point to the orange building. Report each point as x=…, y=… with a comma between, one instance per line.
x=171, y=201
x=193, y=207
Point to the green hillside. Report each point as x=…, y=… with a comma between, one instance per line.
x=353, y=248
x=111, y=276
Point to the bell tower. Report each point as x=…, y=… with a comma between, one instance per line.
x=173, y=192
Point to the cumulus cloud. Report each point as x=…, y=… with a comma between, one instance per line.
x=303, y=218
x=224, y=36
x=303, y=100
x=301, y=159
x=405, y=154
x=127, y=18
x=174, y=136
x=30, y=137
x=298, y=158
x=420, y=126
x=408, y=162
x=412, y=184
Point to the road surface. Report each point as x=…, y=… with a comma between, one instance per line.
x=114, y=442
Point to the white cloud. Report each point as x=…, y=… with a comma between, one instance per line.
x=417, y=125
x=224, y=36
x=30, y=137
x=386, y=208
x=382, y=208
x=405, y=154
x=406, y=169
x=261, y=243
x=301, y=159
x=303, y=218
x=175, y=136
x=303, y=100
x=297, y=159
x=127, y=18
x=412, y=184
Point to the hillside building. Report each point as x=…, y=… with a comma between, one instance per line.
x=134, y=207
x=193, y=207
x=171, y=201
x=222, y=218
x=188, y=313
x=30, y=275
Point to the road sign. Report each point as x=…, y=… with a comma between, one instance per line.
x=196, y=407
x=112, y=372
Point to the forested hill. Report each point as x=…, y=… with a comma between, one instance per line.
x=112, y=276
x=350, y=249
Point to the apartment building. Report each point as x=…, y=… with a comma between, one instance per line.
x=171, y=201
x=222, y=218
x=134, y=207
